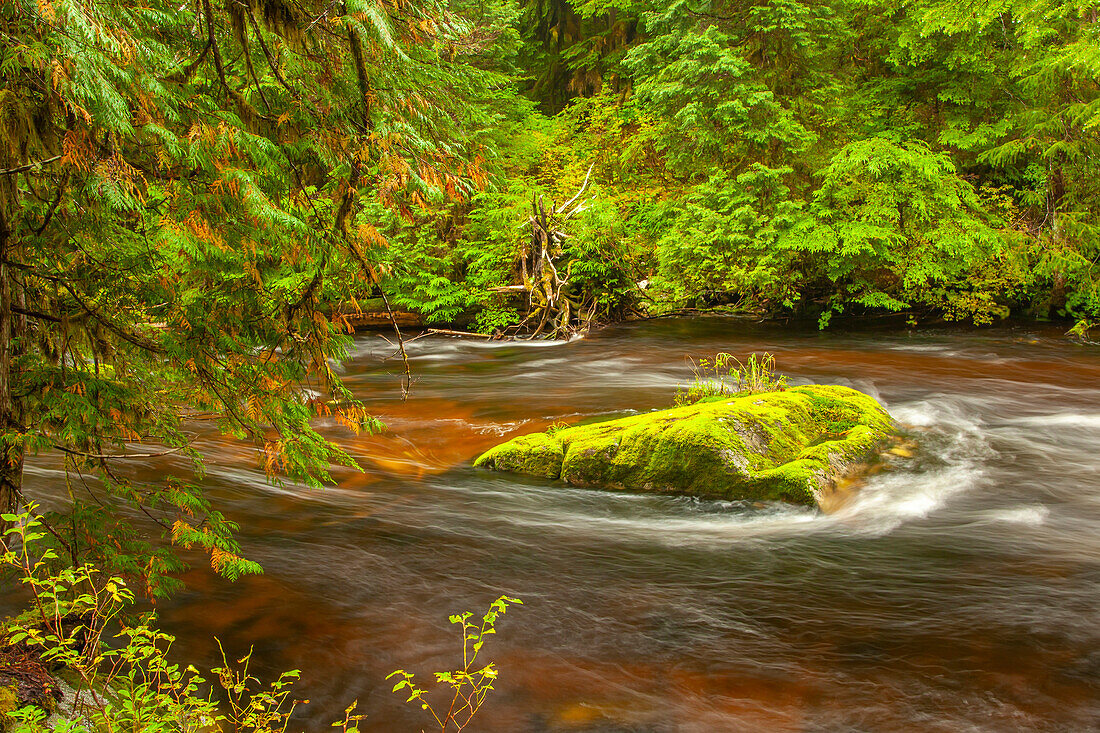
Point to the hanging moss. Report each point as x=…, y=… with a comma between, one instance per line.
x=789, y=446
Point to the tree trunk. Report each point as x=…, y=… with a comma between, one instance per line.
x=11, y=450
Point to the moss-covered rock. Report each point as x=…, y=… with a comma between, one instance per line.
x=793, y=446
x=25, y=681
x=538, y=454
x=9, y=702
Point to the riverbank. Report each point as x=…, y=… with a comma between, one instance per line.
x=372, y=316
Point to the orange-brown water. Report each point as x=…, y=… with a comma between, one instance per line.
x=959, y=591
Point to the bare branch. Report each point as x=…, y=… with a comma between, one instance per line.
x=117, y=456
x=584, y=185
x=30, y=166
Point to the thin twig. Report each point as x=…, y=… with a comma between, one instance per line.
x=407, y=384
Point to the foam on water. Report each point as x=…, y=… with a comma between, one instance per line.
x=920, y=348
x=441, y=347
x=677, y=529
x=888, y=501
x=1032, y=515
x=1068, y=419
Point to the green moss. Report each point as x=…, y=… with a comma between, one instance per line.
x=786, y=446
x=9, y=701
x=538, y=454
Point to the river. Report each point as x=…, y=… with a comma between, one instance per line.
x=959, y=591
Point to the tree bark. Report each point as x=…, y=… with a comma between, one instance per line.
x=11, y=451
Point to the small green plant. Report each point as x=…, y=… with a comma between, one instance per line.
x=129, y=685
x=469, y=687
x=556, y=427
x=132, y=686
x=251, y=707
x=758, y=375
x=726, y=375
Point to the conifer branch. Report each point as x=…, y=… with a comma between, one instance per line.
x=185, y=73
x=311, y=288
x=252, y=70
x=345, y=202
x=267, y=53
x=407, y=383
x=36, y=314
x=53, y=205
x=131, y=338
x=248, y=113
x=30, y=166
x=361, y=77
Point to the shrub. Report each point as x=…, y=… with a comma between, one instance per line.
x=130, y=685
x=469, y=686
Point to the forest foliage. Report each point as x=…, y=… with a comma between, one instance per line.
x=807, y=159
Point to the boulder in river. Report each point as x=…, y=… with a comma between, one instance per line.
x=795, y=445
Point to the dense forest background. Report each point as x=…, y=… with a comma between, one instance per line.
x=799, y=158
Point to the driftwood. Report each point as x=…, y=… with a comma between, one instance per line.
x=381, y=319
x=467, y=334
x=552, y=310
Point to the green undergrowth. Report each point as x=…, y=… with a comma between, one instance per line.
x=80, y=629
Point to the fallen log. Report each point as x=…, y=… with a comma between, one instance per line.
x=449, y=332
x=380, y=320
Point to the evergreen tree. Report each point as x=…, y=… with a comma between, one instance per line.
x=185, y=189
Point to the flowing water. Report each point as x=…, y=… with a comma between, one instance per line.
x=958, y=591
